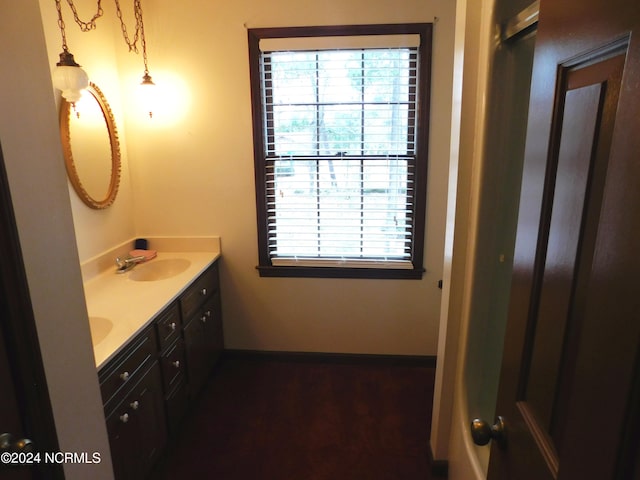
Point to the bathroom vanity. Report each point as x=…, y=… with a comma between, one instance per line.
x=165, y=337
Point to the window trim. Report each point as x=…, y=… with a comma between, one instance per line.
x=265, y=266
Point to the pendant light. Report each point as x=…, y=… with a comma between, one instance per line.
x=68, y=76
x=147, y=87
x=146, y=90
x=71, y=79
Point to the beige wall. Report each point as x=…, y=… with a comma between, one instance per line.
x=189, y=170
x=197, y=177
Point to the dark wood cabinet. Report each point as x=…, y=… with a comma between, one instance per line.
x=203, y=340
x=177, y=402
x=126, y=368
x=135, y=413
x=168, y=326
x=173, y=365
x=146, y=389
x=174, y=378
x=202, y=289
x=202, y=317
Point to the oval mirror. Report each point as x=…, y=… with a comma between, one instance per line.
x=91, y=148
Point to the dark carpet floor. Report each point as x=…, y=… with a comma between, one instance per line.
x=269, y=419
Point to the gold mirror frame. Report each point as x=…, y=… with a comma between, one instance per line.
x=72, y=171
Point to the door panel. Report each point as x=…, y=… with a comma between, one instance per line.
x=580, y=117
x=569, y=380
x=573, y=198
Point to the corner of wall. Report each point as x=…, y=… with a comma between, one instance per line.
x=473, y=25
x=37, y=180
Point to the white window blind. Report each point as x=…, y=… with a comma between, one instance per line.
x=340, y=155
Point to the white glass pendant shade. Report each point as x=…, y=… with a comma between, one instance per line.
x=70, y=78
x=147, y=94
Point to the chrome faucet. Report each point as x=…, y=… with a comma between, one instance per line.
x=127, y=263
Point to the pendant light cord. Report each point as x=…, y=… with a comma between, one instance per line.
x=91, y=25
x=139, y=35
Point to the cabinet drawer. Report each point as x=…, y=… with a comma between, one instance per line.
x=200, y=291
x=168, y=325
x=173, y=365
x=126, y=368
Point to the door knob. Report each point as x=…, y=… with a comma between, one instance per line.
x=482, y=433
x=9, y=444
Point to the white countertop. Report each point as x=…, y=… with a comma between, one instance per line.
x=131, y=305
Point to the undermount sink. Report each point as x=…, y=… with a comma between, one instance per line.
x=100, y=328
x=159, y=269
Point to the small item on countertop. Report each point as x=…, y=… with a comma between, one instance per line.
x=147, y=254
x=141, y=244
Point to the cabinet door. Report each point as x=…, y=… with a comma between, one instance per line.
x=213, y=330
x=173, y=365
x=177, y=403
x=195, y=347
x=168, y=326
x=203, y=343
x=137, y=428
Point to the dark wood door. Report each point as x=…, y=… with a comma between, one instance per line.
x=570, y=383
x=10, y=419
x=25, y=411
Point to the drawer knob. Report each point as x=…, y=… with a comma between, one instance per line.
x=203, y=291
x=172, y=326
x=124, y=376
x=124, y=418
x=176, y=363
x=208, y=313
x=203, y=319
x=135, y=404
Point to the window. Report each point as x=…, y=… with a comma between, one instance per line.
x=340, y=120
